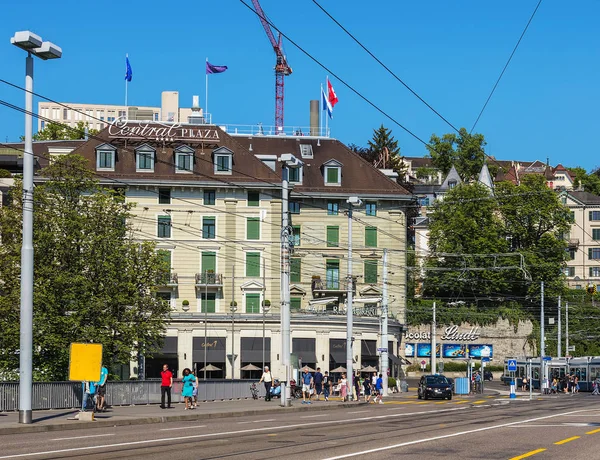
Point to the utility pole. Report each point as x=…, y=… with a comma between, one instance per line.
x=264, y=308
x=559, y=348
x=433, y=344
x=542, y=343
x=567, y=351
x=233, y=309
x=349, y=292
x=206, y=318
x=384, y=328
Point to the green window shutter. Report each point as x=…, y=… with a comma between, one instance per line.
x=164, y=226
x=253, y=199
x=208, y=301
x=589, y=253
x=253, y=228
x=590, y=215
x=209, y=262
x=332, y=175
x=295, y=303
x=252, y=303
x=370, y=274
x=295, y=270
x=333, y=236
x=591, y=271
x=371, y=237
x=296, y=238
x=253, y=264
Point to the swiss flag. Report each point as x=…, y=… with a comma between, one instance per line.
x=333, y=99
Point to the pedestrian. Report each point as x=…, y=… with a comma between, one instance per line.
x=195, y=393
x=187, y=388
x=524, y=384
x=267, y=380
x=379, y=389
x=356, y=389
x=367, y=389
x=101, y=390
x=326, y=386
x=374, y=379
x=596, y=386
x=89, y=390
x=166, y=384
x=307, y=385
x=576, y=384
x=343, y=387
x=477, y=382
x=318, y=379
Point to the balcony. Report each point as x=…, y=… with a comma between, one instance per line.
x=328, y=288
x=209, y=279
x=170, y=280
x=573, y=242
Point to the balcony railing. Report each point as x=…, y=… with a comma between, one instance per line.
x=209, y=279
x=320, y=286
x=573, y=242
x=170, y=279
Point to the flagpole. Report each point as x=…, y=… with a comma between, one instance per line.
x=321, y=108
x=126, y=90
x=327, y=114
x=206, y=79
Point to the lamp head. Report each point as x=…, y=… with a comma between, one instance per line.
x=354, y=201
x=26, y=40
x=290, y=160
x=48, y=50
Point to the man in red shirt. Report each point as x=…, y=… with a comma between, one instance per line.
x=165, y=386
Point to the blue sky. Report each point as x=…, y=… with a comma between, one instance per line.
x=450, y=52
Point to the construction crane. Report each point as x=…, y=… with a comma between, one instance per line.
x=282, y=68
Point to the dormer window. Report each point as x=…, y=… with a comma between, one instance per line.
x=105, y=157
x=452, y=183
x=306, y=151
x=223, y=160
x=144, y=158
x=332, y=173
x=184, y=159
x=295, y=175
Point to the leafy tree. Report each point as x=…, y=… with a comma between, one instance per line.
x=93, y=282
x=365, y=152
x=57, y=131
x=382, y=140
x=464, y=151
x=5, y=173
x=589, y=182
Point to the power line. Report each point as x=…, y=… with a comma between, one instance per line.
x=506, y=66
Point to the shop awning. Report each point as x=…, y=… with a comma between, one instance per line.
x=169, y=346
x=215, y=349
x=304, y=349
x=337, y=350
x=252, y=351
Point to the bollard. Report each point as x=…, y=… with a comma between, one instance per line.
x=512, y=389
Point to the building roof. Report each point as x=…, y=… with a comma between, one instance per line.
x=452, y=176
x=584, y=197
x=11, y=155
x=485, y=178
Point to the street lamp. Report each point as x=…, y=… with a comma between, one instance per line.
x=352, y=201
x=288, y=161
x=33, y=44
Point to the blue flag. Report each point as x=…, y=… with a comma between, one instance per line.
x=128, y=73
x=210, y=69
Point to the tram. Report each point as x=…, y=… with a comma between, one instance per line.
x=586, y=368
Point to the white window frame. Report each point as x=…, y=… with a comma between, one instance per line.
x=222, y=155
x=145, y=149
x=332, y=164
x=184, y=151
x=105, y=148
x=300, y=171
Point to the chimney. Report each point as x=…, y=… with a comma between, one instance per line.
x=196, y=118
x=314, y=118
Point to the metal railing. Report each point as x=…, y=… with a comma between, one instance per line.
x=209, y=279
x=264, y=130
x=68, y=395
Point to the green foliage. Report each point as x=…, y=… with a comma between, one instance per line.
x=464, y=151
x=5, y=173
x=382, y=140
x=93, y=283
x=391, y=382
x=589, y=182
x=365, y=152
x=58, y=131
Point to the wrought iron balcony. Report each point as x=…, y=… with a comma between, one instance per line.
x=170, y=280
x=322, y=288
x=573, y=242
x=209, y=279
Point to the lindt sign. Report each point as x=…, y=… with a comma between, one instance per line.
x=157, y=131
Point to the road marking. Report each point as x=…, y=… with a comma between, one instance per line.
x=86, y=436
x=528, y=454
x=480, y=401
x=226, y=433
x=313, y=416
x=179, y=428
x=257, y=421
x=451, y=435
x=358, y=412
x=564, y=441
x=593, y=431
x=461, y=402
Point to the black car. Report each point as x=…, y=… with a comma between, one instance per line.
x=434, y=386
x=487, y=375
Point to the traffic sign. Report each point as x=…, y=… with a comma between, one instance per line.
x=547, y=358
x=485, y=360
x=382, y=350
x=512, y=365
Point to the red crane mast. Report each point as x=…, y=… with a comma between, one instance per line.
x=282, y=68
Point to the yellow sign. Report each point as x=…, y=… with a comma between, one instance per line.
x=85, y=361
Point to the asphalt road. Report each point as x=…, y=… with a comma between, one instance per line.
x=491, y=428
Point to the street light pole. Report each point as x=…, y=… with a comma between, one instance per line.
x=384, y=327
x=34, y=46
x=352, y=201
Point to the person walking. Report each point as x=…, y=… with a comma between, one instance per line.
x=379, y=389
x=343, y=387
x=166, y=383
x=367, y=389
x=101, y=389
x=89, y=390
x=307, y=385
x=326, y=386
x=356, y=389
x=267, y=380
x=596, y=386
x=318, y=379
x=187, y=389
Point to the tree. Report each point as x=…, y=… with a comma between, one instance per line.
x=589, y=182
x=464, y=151
x=384, y=145
x=57, y=131
x=93, y=282
x=365, y=152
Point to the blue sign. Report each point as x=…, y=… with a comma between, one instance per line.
x=547, y=358
x=477, y=350
x=485, y=360
x=453, y=350
x=409, y=350
x=424, y=350
x=512, y=365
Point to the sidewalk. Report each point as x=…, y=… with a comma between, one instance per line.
x=58, y=420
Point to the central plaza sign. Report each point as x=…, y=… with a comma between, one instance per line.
x=156, y=131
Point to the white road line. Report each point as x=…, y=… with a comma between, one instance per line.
x=256, y=421
x=226, y=433
x=86, y=436
x=181, y=428
x=585, y=415
x=451, y=435
x=358, y=412
x=313, y=416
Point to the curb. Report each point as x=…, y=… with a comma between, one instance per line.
x=33, y=428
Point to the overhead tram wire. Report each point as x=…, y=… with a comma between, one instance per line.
x=391, y=72
x=506, y=65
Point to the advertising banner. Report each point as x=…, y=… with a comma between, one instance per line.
x=409, y=350
x=478, y=350
x=454, y=350
x=424, y=350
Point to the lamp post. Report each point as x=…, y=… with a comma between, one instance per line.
x=288, y=161
x=352, y=201
x=33, y=44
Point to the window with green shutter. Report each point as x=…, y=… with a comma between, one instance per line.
x=332, y=273
x=253, y=228
x=253, y=199
x=209, y=197
x=253, y=264
x=295, y=269
x=332, y=175
x=296, y=236
x=295, y=303
x=209, y=262
x=371, y=237
x=165, y=264
x=370, y=274
x=596, y=233
x=333, y=236
x=207, y=302
x=208, y=228
x=164, y=227
x=252, y=303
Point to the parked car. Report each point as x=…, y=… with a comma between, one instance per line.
x=434, y=386
x=487, y=375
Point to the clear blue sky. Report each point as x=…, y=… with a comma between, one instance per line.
x=450, y=52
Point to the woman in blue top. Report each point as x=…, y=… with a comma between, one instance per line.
x=187, y=389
